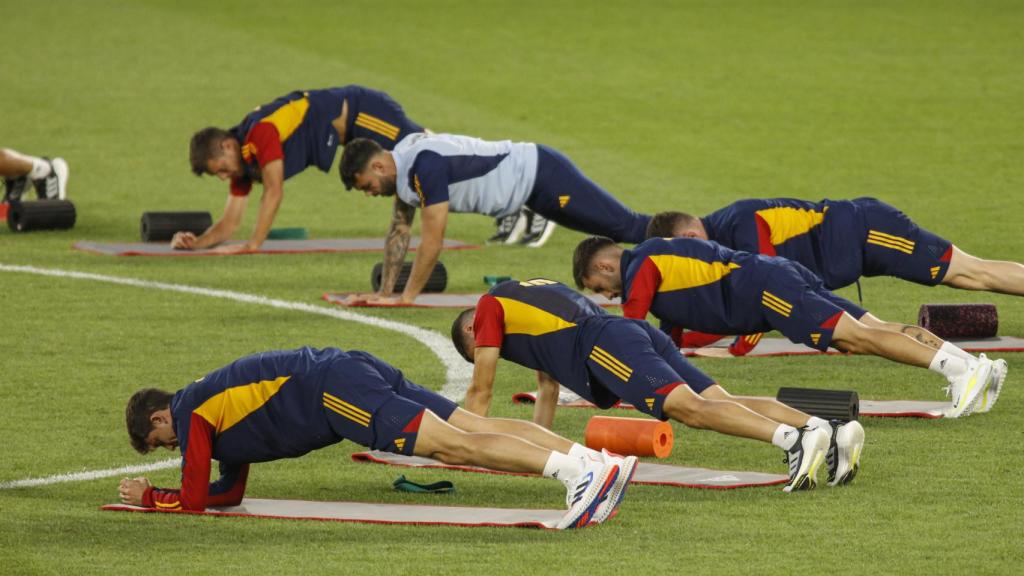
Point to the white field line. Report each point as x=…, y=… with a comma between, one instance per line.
x=458, y=373
x=92, y=474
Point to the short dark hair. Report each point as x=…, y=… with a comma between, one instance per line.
x=204, y=147
x=141, y=406
x=583, y=257
x=458, y=336
x=664, y=224
x=355, y=158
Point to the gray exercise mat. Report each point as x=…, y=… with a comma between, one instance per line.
x=268, y=247
x=378, y=513
x=783, y=347
x=646, y=472
x=871, y=408
x=436, y=300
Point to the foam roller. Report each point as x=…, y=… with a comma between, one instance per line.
x=437, y=282
x=41, y=215
x=630, y=436
x=959, y=320
x=161, y=226
x=828, y=404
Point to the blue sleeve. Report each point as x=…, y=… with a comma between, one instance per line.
x=429, y=178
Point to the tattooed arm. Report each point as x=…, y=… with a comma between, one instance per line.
x=396, y=245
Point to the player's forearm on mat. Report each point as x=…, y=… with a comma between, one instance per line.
x=396, y=245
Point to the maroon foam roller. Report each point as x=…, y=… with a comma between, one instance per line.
x=959, y=320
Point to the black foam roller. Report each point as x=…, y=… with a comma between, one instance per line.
x=437, y=282
x=161, y=226
x=828, y=404
x=41, y=215
x=959, y=320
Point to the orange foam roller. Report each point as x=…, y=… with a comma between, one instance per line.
x=630, y=436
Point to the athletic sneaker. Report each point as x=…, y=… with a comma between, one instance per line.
x=586, y=492
x=844, y=448
x=538, y=230
x=510, y=228
x=54, y=186
x=627, y=467
x=14, y=188
x=805, y=457
x=995, y=386
x=967, y=388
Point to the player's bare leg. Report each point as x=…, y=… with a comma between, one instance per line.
x=717, y=414
x=14, y=164
x=768, y=407
x=469, y=422
x=971, y=273
x=442, y=441
x=918, y=333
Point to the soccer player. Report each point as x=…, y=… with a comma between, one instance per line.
x=697, y=284
x=284, y=404
x=569, y=340
x=443, y=173
x=840, y=241
x=280, y=139
x=48, y=177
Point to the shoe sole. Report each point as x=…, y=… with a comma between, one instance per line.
x=60, y=167
x=617, y=493
x=849, y=451
x=809, y=480
x=549, y=229
x=517, y=230
x=991, y=394
x=587, y=514
x=973, y=393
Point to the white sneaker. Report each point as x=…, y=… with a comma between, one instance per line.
x=967, y=388
x=627, y=467
x=844, y=449
x=995, y=386
x=804, y=459
x=54, y=186
x=510, y=229
x=538, y=230
x=586, y=492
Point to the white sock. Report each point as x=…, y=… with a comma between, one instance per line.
x=950, y=348
x=821, y=424
x=583, y=453
x=40, y=168
x=947, y=364
x=563, y=467
x=785, y=436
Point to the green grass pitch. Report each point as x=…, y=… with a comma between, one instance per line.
x=669, y=105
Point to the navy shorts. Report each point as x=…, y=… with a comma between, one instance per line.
x=795, y=302
x=375, y=115
x=640, y=364
x=371, y=403
x=895, y=246
x=565, y=195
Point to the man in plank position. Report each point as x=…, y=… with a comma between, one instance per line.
x=283, y=404
x=840, y=241
x=569, y=340
x=696, y=284
x=443, y=173
x=281, y=139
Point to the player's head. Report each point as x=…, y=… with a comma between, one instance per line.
x=148, y=416
x=595, y=265
x=462, y=333
x=216, y=152
x=368, y=167
x=676, y=225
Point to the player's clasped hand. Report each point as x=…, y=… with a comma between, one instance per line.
x=131, y=491
x=183, y=241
